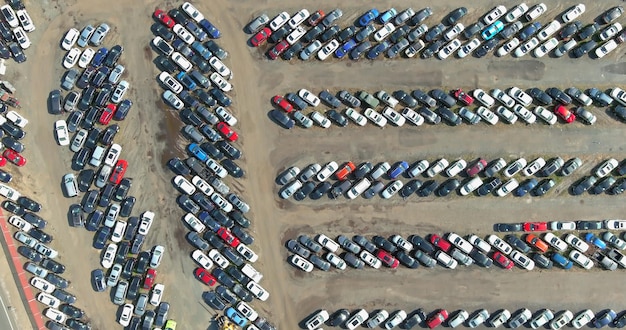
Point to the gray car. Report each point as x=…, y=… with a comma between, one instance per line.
x=364, y=243
x=297, y=248
x=354, y=261
x=348, y=244
x=349, y=99
x=309, y=243
x=70, y=79
x=197, y=241
x=99, y=35
x=571, y=166
x=374, y=189
x=320, y=263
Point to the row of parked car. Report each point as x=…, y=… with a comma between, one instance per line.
x=417, y=106
x=403, y=33
x=503, y=317
x=526, y=251
x=15, y=24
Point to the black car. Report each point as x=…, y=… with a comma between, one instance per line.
x=85, y=179
x=137, y=243
x=29, y=253
x=329, y=33
x=222, y=218
x=98, y=280
x=292, y=51
x=304, y=191
x=480, y=258
x=214, y=240
x=232, y=168
x=80, y=159
x=378, y=49
x=178, y=16
x=488, y=186
x=473, y=29
x=455, y=15
x=90, y=118
x=131, y=228
x=239, y=218
x=92, y=139
x=100, y=77
x=356, y=53
x=619, y=187
x=85, y=78
x=40, y=235
x=364, y=32
x=122, y=189
x=95, y=220
x=405, y=259
x=427, y=188
x=447, y=187
x=216, y=49
x=101, y=237
x=559, y=95
x=588, y=31
x=310, y=243
x=5, y=176
x=338, y=318
x=57, y=281
x=225, y=294
x=212, y=299
x=583, y=185
x=399, y=33
x=506, y=227
x=35, y=220
x=310, y=35
x=165, y=64
x=584, y=48
x=16, y=51
x=13, y=208
x=485, y=48
x=127, y=269
x=53, y=266
x=384, y=244
x=114, y=54
x=242, y=293
x=5, y=31
x=228, y=149
x=206, y=99
x=109, y=134
x=86, y=98
x=29, y=204
x=14, y=131
x=337, y=118
x=76, y=215
x=517, y=243
x=143, y=259
x=133, y=288
x=72, y=311
x=12, y=144
x=212, y=150
x=178, y=166
x=329, y=99
x=603, y=185
x=282, y=119
x=449, y=116
x=106, y=195
x=409, y=188
x=237, y=275
x=543, y=187
x=74, y=120
x=434, y=32
x=373, y=190
x=542, y=260
x=569, y=30
x=589, y=225
x=362, y=170
x=320, y=190
x=405, y=98
x=421, y=243
x=433, y=48
x=55, y=102
x=63, y=296
x=540, y=96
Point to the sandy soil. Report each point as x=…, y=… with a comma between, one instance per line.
x=150, y=136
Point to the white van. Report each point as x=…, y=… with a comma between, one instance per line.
x=71, y=187
x=359, y=188
x=97, y=156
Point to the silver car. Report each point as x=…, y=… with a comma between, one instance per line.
x=99, y=35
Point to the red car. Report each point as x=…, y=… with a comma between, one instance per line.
x=108, y=113
x=477, y=167
x=150, y=277
x=502, y=260
x=343, y=172
x=3, y=161
x=565, y=114
x=280, y=48
x=164, y=18
x=316, y=17
x=205, y=276
x=387, y=259
x=228, y=133
x=118, y=171
x=440, y=242
x=464, y=98
x=260, y=37
x=14, y=157
x=282, y=103
x=438, y=318
x=535, y=226
x=228, y=237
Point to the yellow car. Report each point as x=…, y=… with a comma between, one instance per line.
x=170, y=325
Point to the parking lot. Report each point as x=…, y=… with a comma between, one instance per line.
x=151, y=136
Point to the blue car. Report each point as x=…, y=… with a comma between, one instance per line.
x=186, y=80
x=199, y=48
x=398, y=169
x=604, y=318
x=561, y=261
x=195, y=149
x=387, y=16
x=345, y=48
x=368, y=17
x=492, y=30
x=529, y=31
x=525, y=187
x=210, y=29
x=99, y=57
x=237, y=318
x=591, y=238
x=378, y=49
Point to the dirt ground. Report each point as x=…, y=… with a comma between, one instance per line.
x=150, y=136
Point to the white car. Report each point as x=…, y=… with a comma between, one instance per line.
x=562, y=225
x=226, y=116
x=356, y=117
x=523, y=260
x=247, y=311
x=20, y=223
x=549, y=30
x=183, y=34
x=48, y=300
x=394, y=116
x=520, y=96
x=535, y=12
x=468, y=47
x=118, y=231
x=181, y=61
x=459, y=242
x=46, y=250
x=113, y=155
x=146, y=222
x=583, y=318
x=202, y=185
x=453, y=31
x=526, y=47
x=172, y=84
x=327, y=243
x=499, y=244
x=446, y=260
x=86, y=57
x=25, y=20
x=487, y=115
x=157, y=256
x=573, y=13
x=202, y=259
x=479, y=243
x=534, y=166
x=320, y=119
x=615, y=224
x=448, y=49
x=116, y=74
x=296, y=35
x=328, y=50
x=247, y=252
x=252, y=273
x=484, y=98
x=437, y=167
x=546, y=47
x=395, y=320
x=619, y=95
x=456, y=168
x=555, y=242
x=298, y=18
x=182, y=184
x=62, y=135
x=375, y=117
x=25, y=239
x=506, y=114
x=501, y=96
x=120, y=91
x=221, y=202
x=508, y=47
x=384, y=32
x=561, y=320
x=301, y=263
x=576, y=243
x=542, y=318
x=392, y=189
x=238, y=202
x=220, y=67
x=546, y=115
x=55, y=315
x=524, y=114
x=109, y=256
x=216, y=168
x=71, y=58
x=218, y=259
x=336, y=261
x=192, y=12
x=9, y=192
x=20, y=36
x=377, y=319
x=70, y=38
x=458, y=319
x=257, y=290
x=370, y=260
x=357, y=319
x=42, y=284
x=515, y=167
x=173, y=100
x=402, y=243
x=516, y=13
x=290, y=189
x=606, y=168
x=412, y=116
x=279, y=21
x=479, y=318
x=162, y=45
x=220, y=82
x=581, y=259
x=194, y=223
x=500, y=318
x=494, y=14
x=606, y=48
x=309, y=97
x=126, y=315
x=610, y=31
x=327, y=171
